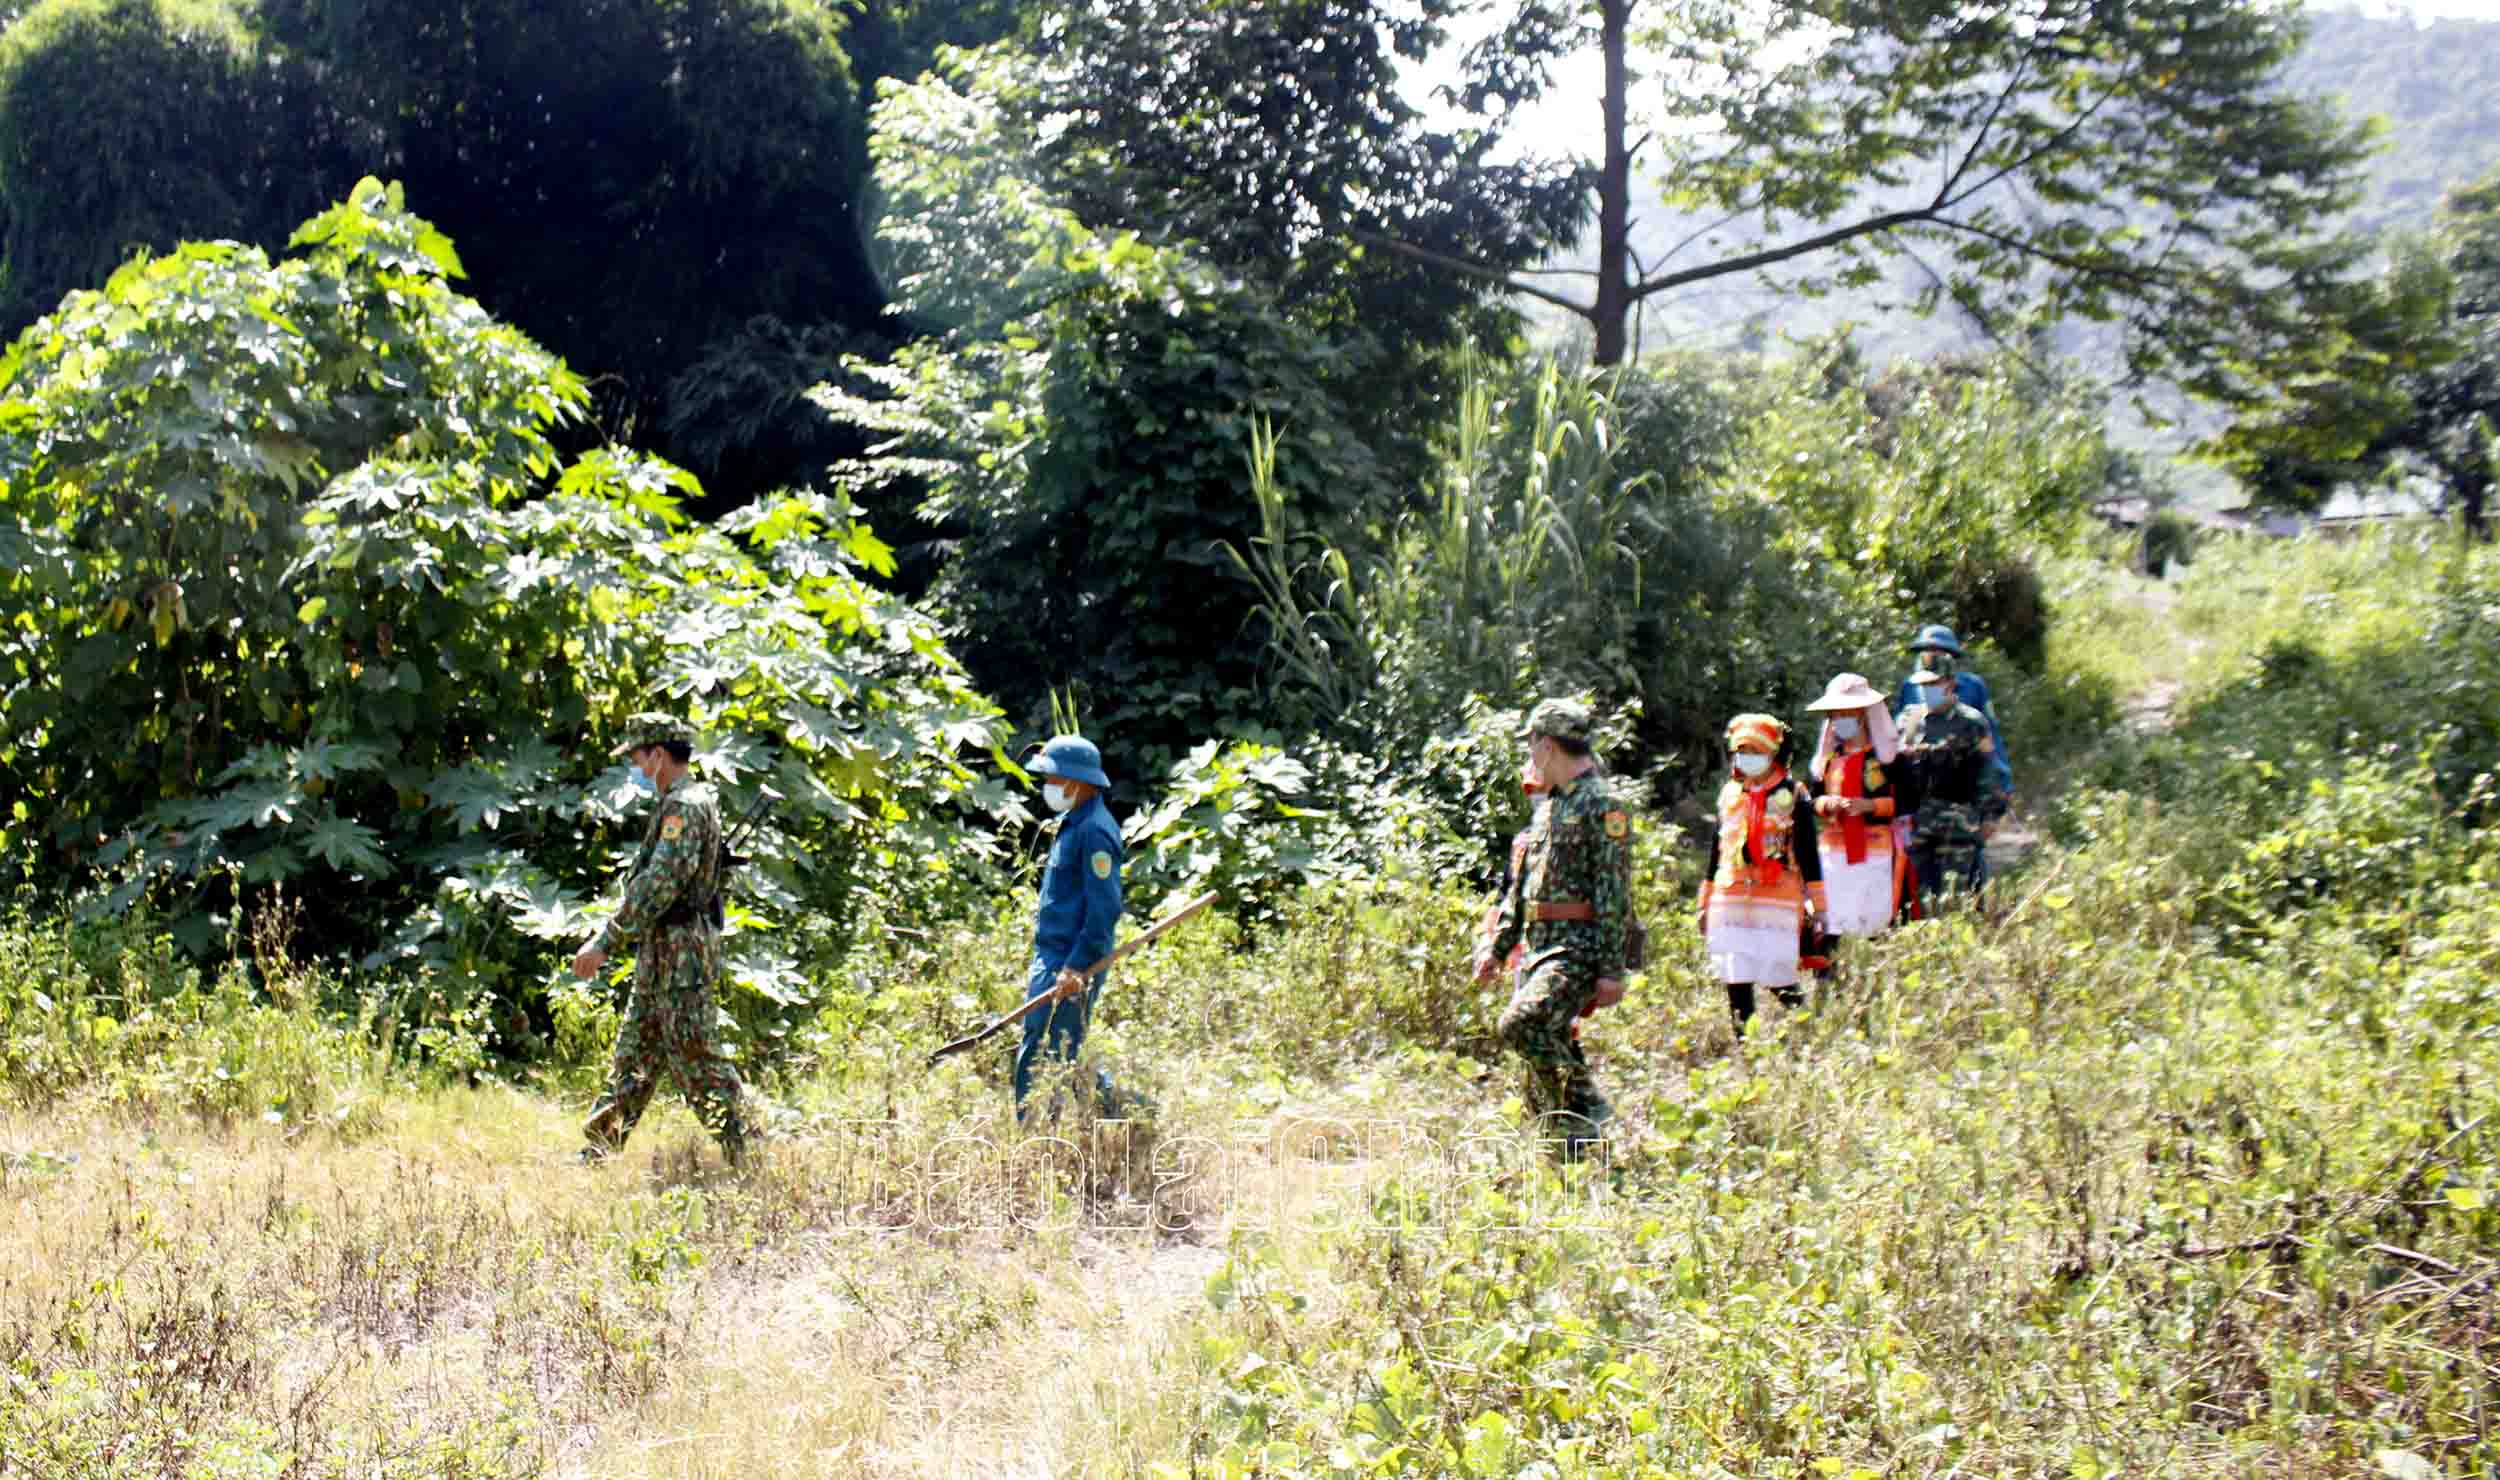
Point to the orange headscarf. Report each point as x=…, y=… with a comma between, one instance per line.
x=1759, y=729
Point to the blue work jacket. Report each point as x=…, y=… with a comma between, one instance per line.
x=1973, y=691
x=1080, y=913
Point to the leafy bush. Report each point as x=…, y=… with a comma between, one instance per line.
x=1930, y=490
x=1229, y=819
x=300, y=589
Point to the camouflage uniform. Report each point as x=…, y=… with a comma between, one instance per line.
x=1579, y=854
x=667, y=920
x=1951, y=760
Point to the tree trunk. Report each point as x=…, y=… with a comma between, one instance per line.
x=1613, y=307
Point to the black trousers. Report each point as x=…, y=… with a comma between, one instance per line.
x=1740, y=1001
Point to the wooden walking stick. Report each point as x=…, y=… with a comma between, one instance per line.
x=1090, y=972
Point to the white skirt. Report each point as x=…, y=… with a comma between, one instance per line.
x=1752, y=953
x=1858, y=896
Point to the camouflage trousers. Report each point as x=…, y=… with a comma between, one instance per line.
x=1553, y=989
x=1944, y=867
x=669, y=1029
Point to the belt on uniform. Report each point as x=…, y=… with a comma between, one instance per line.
x=1565, y=909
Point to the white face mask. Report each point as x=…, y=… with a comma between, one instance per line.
x=1058, y=798
x=1932, y=695
x=1845, y=727
x=1752, y=763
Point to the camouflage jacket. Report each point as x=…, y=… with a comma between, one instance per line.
x=677, y=873
x=1579, y=851
x=1950, y=757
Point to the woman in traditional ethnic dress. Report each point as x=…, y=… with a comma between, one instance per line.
x=1854, y=806
x=1765, y=879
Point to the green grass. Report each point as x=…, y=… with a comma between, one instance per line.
x=2182, y=1159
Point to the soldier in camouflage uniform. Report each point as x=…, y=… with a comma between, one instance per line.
x=670, y=918
x=1951, y=760
x=1569, y=903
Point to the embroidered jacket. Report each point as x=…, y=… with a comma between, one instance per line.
x=1764, y=847
x=1857, y=775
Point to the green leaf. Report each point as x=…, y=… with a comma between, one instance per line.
x=476, y=798
x=350, y=847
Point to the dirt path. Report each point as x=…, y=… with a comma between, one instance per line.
x=2148, y=712
x=994, y=1352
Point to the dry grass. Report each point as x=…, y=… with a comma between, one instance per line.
x=449, y=1295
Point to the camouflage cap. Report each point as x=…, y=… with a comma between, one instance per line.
x=1564, y=719
x=1932, y=671
x=648, y=729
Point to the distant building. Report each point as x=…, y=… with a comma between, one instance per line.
x=2347, y=510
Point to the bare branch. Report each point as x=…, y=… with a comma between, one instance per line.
x=1889, y=221
x=2052, y=142
x=1704, y=230
x=1472, y=268
x=1944, y=191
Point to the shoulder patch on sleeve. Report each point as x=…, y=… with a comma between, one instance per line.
x=1618, y=825
x=1101, y=863
x=673, y=827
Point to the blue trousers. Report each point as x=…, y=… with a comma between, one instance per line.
x=1056, y=1032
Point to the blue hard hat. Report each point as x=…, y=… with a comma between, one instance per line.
x=1936, y=635
x=1072, y=758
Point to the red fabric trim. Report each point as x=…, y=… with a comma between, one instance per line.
x=1853, y=787
x=1765, y=870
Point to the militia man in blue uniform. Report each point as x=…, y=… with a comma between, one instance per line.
x=670, y=919
x=1080, y=910
x=1570, y=902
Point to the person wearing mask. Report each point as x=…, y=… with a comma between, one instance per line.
x=1570, y=904
x=1946, y=747
x=1764, y=884
x=1854, y=804
x=668, y=915
x=1936, y=649
x=1079, y=914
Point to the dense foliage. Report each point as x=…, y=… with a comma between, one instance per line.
x=1281, y=139
x=300, y=593
x=1078, y=435
x=663, y=194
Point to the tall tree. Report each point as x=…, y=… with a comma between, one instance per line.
x=133, y=124
x=1273, y=138
x=2116, y=160
x=2408, y=377
x=2457, y=403
x=1077, y=434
